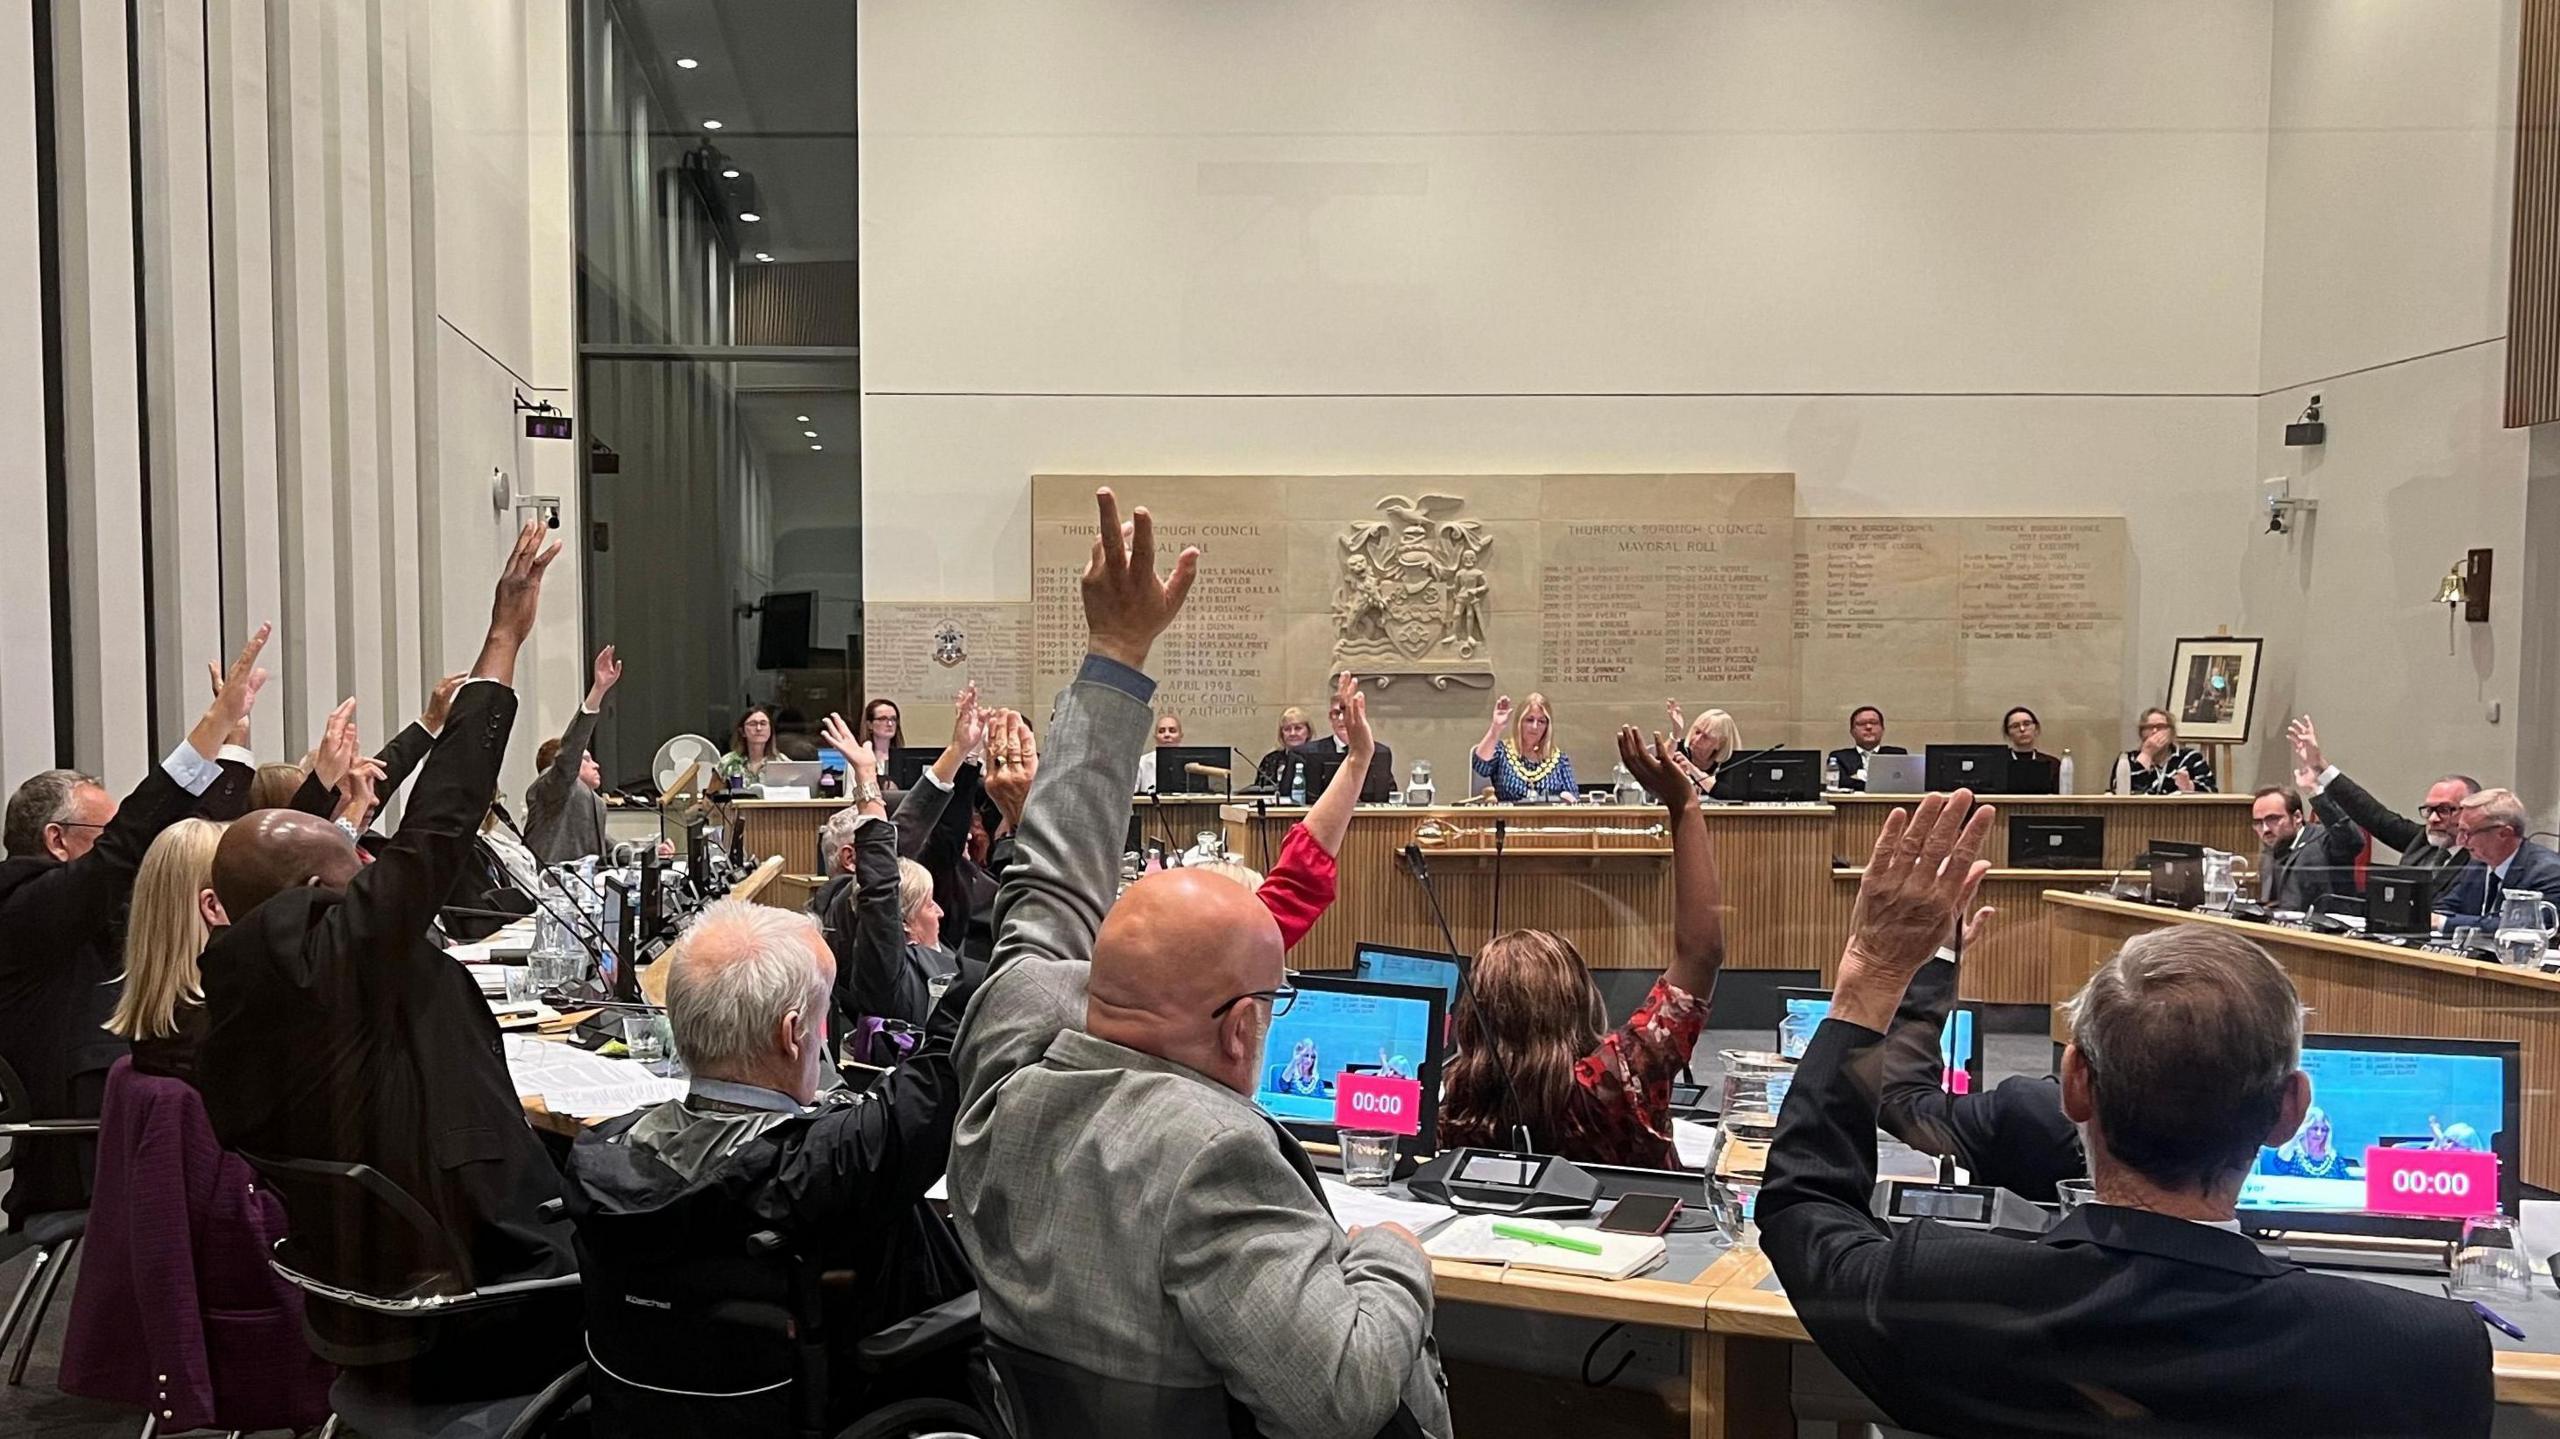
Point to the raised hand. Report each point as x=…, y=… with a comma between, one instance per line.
x=513, y=608
x=339, y=741
x=235, y=692
x=1973, y=927
x=968, y=722
x=2306, y=746
x=2306, y=779
x=1013, y=761
x=440, y=703
x=838, y=735
x=608, y=673
x=1126, y=604
x=1922, y=874
x=1660, y=769
x=1679, y=721
x=1355, y=713
x=356, y=791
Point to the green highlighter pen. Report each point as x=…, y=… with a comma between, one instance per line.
x=1551, y=1238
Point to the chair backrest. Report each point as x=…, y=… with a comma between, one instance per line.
x=687, y=1335
x=1046, y=1398
x=14, y=1104
x=354, y=1228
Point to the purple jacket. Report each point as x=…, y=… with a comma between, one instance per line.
x=176, y=1309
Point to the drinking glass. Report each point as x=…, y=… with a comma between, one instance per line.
x=2490, y=1262
x=648, y=1037
x=2075, y=1192
x=521, y=988
x=1368, y=1159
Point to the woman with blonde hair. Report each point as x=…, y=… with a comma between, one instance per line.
x=1295, y=730
x=1706, y=744
x=1534, y=1048
x=1526, y=765
x=2158, y=763
x=172, y=918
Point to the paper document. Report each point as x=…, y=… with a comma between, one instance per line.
x=1694, y=1142
x=584, y=1086
x=1354, y=1207
x=1472, y=1239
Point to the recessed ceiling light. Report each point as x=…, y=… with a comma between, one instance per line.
x=804, y=419
x=687, y=62
x=817, y=447
x=728, y=174
x=761, y=255
x=710, y=124
x=749, y=216
x=812, y=434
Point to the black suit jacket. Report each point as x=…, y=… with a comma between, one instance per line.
x=2116, y=1322
x=2320, y=862
x=2013, y=1134
x=335, y=1031
x=2344, y=800
x=2471, y=900
x=1851, y=765
x=61, y=949
x=1379, y=785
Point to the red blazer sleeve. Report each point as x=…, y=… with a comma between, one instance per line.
x=1300, y=886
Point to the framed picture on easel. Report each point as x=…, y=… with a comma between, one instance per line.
x=2213, y=688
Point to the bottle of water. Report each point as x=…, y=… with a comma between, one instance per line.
x=1624, y=786
x=1298, y=783
x=2065, y=785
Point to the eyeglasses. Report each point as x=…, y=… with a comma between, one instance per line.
x=1279, y=999
x=2150, y=728
x=2438, y=811
x=74, y=824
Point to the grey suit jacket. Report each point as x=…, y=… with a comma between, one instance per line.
x=2320, y=862
x=1127, y=1215
x=563, y=819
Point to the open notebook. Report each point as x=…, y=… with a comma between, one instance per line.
x=1471, y=1240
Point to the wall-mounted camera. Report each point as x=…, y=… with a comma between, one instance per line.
x=2285, y=510
x=502, y=491
x=548, y=505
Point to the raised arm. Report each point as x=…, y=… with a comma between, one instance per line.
x=1697, y=920
x=1328, y=820
x=2351, y=799
x=1492, y=740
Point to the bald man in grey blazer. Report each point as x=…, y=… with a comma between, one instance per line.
x=1128, y=1209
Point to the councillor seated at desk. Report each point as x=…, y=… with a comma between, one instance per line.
x=1524, y=766
x=2157, y=764
x=2022, y=730
x=2145, y=1311
x=1378, y=777
x=2492, y=826
x=750, y=749
x=2013, y=1135
x=883, y=726
x=2427, y=842
x=1707, y=744
x=563, y=809
x=1534, y=1048
x=1866, y=741
x=2299, y=863
x=1272, y=773
x=1168, y=730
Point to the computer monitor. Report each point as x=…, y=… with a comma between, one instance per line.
x=1352, y=1026
x=1174, y=769
x=1391, y=964
x=1982, y=768
x=2400, y=901
x=1321, y=766
x=2034, y=774
x=908, y=762
x=2057, y=841
x=1778, y=776
x=1959, y=1042
x=2386, y=1102
x=2177, y=873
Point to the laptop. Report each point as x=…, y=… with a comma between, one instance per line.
x=2399, y=901
x=2057, y=841
x=1897, y=774
x=1982, y=768
x=801, y=774
x=1393, y=964
x=1783, y=776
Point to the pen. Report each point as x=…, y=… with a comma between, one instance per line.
x=1555, y=1239
x=2489, y=1316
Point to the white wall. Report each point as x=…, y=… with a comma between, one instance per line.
x=2390, y=161
x=1932, y=257
x=354, y=248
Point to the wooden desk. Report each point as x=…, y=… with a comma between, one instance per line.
x=1608, y=892
x=2356, y=986
x=1750, y=1373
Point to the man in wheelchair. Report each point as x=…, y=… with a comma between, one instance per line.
x=737, y=1244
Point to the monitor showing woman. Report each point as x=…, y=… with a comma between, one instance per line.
x=1526, y=765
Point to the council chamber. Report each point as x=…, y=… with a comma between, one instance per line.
x=938, y=720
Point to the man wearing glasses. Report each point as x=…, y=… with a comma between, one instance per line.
x=1380, y=785
x=73, y=852
x=1132, y=1216
x=2430, y=841
x=2491, y=826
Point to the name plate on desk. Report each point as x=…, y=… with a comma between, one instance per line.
x=2436, y=1183
x=1382, y=1102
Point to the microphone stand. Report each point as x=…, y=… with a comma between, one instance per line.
x=1420, y=869
x=1501, y=834
x=573, y=921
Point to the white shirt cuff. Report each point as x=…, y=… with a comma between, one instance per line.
x=937, y=781
x=2326, y=776
x=235, y=754
x=193, y=772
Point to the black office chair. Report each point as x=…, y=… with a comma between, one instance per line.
x=380, y=1279
x=1045, y=1398
x=54, y=1235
